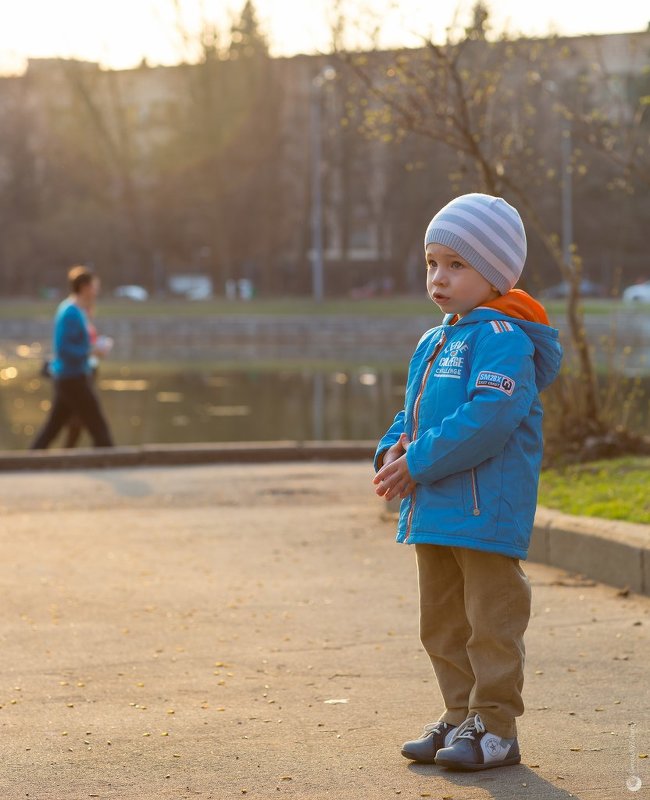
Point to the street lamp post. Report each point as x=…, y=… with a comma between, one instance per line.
x=317, y=257
x=567, y=193
x=566, y=146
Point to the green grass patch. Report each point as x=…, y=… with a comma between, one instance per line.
x=591, y=306
x=398, y=306
x=616, y=489
x=267, y=307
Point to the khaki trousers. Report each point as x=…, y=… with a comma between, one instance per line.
x=474, y=610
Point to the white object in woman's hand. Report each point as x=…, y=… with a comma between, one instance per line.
x=104, y=345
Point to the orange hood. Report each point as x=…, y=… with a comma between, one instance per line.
x=520, y=305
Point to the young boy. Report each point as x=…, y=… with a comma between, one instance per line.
x=465, y=456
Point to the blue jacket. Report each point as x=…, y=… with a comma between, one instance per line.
x=71, y=342
x=473, y=414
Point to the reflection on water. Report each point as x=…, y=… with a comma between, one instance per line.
x=172, y=403
x=122, y=385
x=189, y=405
x=229, y=411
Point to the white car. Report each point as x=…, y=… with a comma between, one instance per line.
x=639, y=293
x=137, y=293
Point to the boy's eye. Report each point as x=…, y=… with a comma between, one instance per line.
x=456, y=265
x=430, y=264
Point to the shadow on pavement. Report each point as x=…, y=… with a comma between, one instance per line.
x=504, y=783
x=125, y=484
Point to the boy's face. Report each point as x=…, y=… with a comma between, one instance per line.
x=453, y=285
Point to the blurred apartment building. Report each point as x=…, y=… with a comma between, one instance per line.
x=371, y=221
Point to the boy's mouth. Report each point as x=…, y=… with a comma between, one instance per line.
x=440, y=298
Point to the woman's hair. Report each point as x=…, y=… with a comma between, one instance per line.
x=78, y=277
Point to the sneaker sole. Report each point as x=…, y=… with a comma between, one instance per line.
x=466, y=766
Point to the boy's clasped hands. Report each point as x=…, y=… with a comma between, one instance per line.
x=394, y=478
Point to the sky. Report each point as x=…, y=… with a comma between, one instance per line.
x=119, y=33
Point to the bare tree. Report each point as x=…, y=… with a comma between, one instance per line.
x=223, y=156
x=19, y=196
x=489, y=104
x=99, y=107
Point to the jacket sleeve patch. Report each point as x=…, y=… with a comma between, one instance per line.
x=494, y=380
x=500, y=326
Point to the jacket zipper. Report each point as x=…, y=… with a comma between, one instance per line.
x=416, y=419
x=475, y=495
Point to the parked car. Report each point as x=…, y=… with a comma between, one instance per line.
x=191, y=287
x=639, y=293
x=561, y=290
x=137, y=293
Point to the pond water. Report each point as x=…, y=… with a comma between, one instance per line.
x=192, y=403
x=186, y=404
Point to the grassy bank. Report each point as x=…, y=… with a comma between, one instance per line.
x=268, y=307
x=401, y=306
x=616, y=489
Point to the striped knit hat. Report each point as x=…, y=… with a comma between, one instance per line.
x=485, y=231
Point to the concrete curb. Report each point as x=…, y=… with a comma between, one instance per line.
x=179, y=454
x=617, y=553
x=609, y=551
x=614, y=552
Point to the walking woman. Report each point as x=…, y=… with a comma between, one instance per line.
x=74, y=395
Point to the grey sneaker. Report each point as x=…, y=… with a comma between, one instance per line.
x=434, y=736
x=474, y=748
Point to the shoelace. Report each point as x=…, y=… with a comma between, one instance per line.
x=470, y=727
x=434, y=727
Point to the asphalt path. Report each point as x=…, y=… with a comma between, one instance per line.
x=251, y=631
